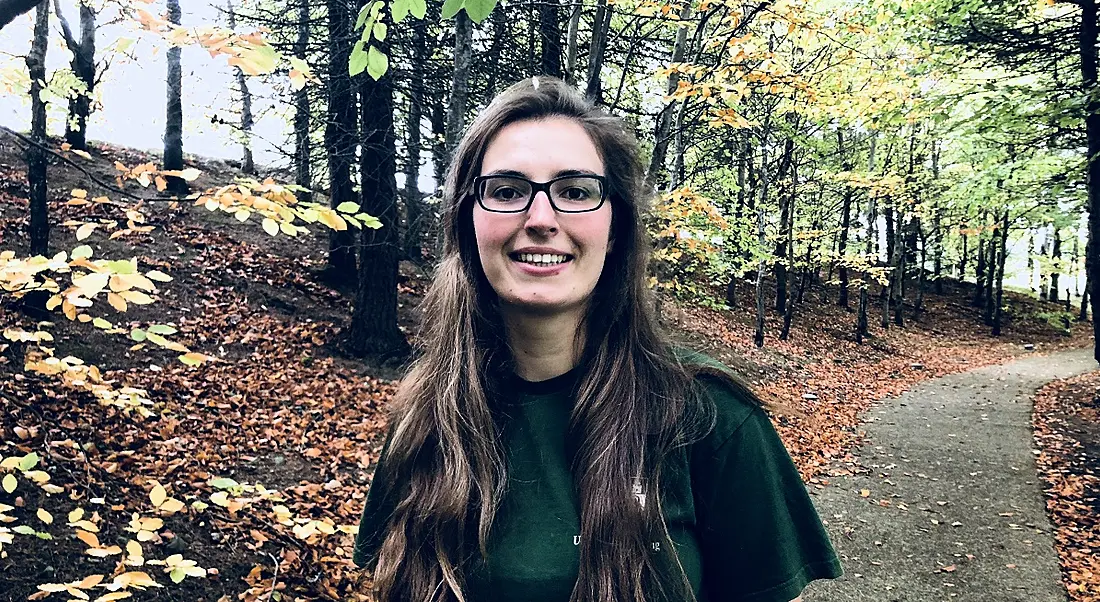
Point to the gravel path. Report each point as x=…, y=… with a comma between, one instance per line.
x=946, y=504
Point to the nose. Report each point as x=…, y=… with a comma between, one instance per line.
x=541, y=217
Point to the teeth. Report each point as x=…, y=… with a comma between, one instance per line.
x=542, y=258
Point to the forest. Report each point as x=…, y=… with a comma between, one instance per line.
x=849, y=198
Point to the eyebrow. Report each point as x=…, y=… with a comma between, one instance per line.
x=559, y=174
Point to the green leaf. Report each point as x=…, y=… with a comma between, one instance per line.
x=223, y=483
x=162, y=329
x=478, y=10
x=177, y=575
x=159, y=340
x=23, y=529
x=43, y=535
x=101, y=323
x=399, y=9
x=82, y=252
x=380, y=31
x=363, y=14
x=28, y=462
x=418, y=8
x=122, y=266
x=451, y=8
x=358, y=61
x=376, y=8
x=137, y=335
x=369, y=221
x=347, y=207
x=377, y=63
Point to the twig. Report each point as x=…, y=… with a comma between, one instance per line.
x=275, y=579
x=90, y=175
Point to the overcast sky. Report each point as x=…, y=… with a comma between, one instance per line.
x=133, y=92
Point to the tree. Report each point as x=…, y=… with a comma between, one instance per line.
x=173, y=126
x=550, y=32
x=374, y=329
x=36, y=156
x=247, y=164
x=302, y=148
x=340, y=139
x=84, y=67
x=10, y=9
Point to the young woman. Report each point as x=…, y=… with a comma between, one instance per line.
x=549, y=445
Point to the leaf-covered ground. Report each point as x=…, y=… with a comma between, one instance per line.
x=1067, y=433
x=270, y=449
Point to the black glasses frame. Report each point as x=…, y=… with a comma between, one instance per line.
x=479, y=191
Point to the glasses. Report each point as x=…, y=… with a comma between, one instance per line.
x=567, y=194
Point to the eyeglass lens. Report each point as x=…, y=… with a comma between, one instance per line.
x=575, y=193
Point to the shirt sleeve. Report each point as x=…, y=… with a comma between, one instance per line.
x=375, y=518
x=760, y=537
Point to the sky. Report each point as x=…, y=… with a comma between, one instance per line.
x=133, y=93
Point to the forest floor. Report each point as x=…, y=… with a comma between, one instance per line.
x=296, y=423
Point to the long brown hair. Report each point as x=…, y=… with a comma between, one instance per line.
x=445, y=466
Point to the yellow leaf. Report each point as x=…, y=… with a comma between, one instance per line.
x=10, y=482
x=158, y=276
x=242, y=215
x=81, y=153
x=158, y=495
x=90, y=581
x=192, y=359
x=79, y=193
x=44, y=516
x=271, y=226
x=161, y=183
x=85, y=231
x=91, y=285
x=76, y=515
x=116, y=301
x=86, y=525
x=136, y=297
x=133, y=548
x=288, y=229
x=171, y=505
x=88, y=538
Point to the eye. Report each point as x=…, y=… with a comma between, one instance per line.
x=575, y=193
x=506, y=193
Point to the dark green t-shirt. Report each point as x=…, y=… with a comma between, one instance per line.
x=736, y=508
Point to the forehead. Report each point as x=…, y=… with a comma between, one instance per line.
x=542, y=148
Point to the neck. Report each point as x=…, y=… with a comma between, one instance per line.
x=543, y=346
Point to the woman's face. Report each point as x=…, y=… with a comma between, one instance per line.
x=513, y=246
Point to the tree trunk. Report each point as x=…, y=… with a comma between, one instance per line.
x=1087, y=47
x=340, y=140
x=762, y=181
x=782, y=257
x=575, y=7
x=438, y=118
x=664, y=119
x=1084, y=312
x=36, y=157
x=248, y=166
x=83, y=66
x=845, y=223
x=1056, y=256
x=10, y=9
x=991, y=279
x=901, y=253
x=374, y=330
x=499, y=18
x=600, y=28
x=979, y=271
x=302, y=147
x=1002, y=255
x=173, y=128
x=862, y=321
x=743, y=157
x=414, y=210
x=963, y=257
x=464, y=53
x=550, y=33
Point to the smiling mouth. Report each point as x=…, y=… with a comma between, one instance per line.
x=541, y=259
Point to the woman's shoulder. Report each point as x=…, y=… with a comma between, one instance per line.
x=732, y=400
